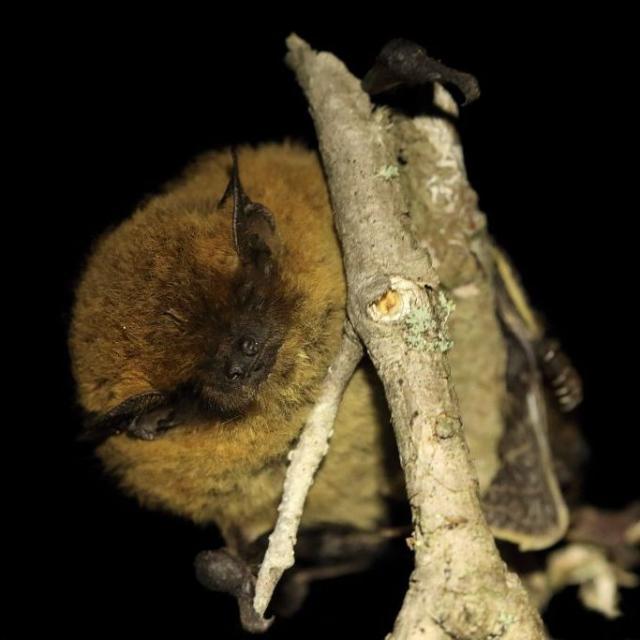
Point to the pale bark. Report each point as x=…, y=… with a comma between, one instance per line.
x=304, y=460
x=460, y=587
x=445, y=220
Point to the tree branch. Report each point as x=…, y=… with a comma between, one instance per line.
x=460, y=587
x=305, y=459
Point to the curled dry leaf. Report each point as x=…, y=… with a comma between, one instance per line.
x=587, y=567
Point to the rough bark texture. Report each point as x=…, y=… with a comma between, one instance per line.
x=460, y=587
x=445, y=220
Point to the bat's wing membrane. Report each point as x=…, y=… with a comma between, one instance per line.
x=523, y=503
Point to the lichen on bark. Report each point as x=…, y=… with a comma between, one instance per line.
x=444, y=218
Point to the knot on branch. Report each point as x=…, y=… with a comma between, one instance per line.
x=447, y=426
x=424, y=314
x=397, y=301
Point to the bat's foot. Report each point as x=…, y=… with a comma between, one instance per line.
x=223, y=571
x=325, y=553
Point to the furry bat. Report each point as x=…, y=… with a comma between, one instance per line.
x=201, y=330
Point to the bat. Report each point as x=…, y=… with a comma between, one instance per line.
x=202, y=328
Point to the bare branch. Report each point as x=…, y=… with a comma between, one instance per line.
x=304, y=462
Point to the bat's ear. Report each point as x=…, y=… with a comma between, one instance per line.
x=254, y=229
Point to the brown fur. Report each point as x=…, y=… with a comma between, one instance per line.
x=145, y=307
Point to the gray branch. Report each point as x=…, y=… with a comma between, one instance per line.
x=460, y=587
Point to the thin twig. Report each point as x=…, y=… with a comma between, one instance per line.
x=305, y=459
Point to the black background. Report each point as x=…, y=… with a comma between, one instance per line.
x=123, y=105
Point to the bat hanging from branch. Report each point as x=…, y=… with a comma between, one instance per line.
x=204, y=327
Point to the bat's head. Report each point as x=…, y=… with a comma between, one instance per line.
x=189, y=301
x=238, y=355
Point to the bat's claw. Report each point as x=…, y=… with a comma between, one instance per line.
x=149, y=425
x=223, y=571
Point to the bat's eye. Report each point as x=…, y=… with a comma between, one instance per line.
x=249, y=346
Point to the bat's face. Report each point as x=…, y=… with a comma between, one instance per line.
x=237, y=356
x=219, y=322
x=187, y=310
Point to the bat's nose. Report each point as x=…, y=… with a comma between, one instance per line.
x=248, y=370
x=235, y=370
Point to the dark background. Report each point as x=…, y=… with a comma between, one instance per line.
x=123, y=107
